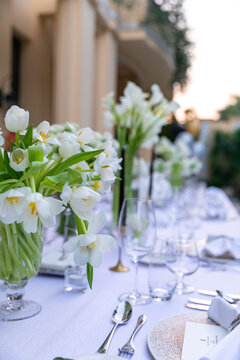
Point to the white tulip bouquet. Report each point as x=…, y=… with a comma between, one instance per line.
x=176, y=161
x=138, y=120
x=48, y=169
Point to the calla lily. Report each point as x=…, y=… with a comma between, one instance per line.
x=89, y=248
x=16, y=119
x=12, y=203
x=40, y=207
x=19, y=159
x=81, y=199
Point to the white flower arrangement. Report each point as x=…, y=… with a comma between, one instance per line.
x=47, y=169
x=176, y=161
x=137, y=120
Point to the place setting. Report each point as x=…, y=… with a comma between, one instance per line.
x=119, y=180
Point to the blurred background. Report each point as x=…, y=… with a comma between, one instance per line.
x=59, y=58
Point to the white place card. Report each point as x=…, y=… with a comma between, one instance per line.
x=199, y=339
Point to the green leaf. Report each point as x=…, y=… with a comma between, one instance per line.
x=35, y=166
x=28, y=137
x=12, y=146
x=5, y=177
x=2, y=165
x=35, y=153
x=74, y=160
x=90, y=274
x=50, y=155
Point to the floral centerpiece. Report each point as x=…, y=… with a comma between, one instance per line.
x=137, y=120
x=46, y=171
x=176, y=162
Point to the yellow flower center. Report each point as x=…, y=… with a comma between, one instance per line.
x=12, y=200
x=78, y=167
x=106, y=154
x=105, y=166
x=44, y=136
x=79, y=141
x=96, y=185
x=18, y=156
x=33, y=208
x=84, y=199
x=91, y=246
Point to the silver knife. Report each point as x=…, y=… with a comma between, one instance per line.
x=213, y=293
x=197, y=307
x=199, y=301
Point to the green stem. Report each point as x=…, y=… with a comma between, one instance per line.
x=32, y=182
x=81, y=228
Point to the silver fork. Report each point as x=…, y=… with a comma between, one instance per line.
x=128, y=349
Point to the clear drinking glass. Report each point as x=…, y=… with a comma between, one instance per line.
x=182, y=260
x=137, y=233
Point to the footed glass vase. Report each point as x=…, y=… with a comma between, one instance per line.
x=20, y=259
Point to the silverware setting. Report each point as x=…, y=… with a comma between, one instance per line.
x=120, y=316
x=214, y=293
x=128, y=349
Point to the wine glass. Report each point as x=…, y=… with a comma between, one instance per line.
x=182, y=260
x=137, y=233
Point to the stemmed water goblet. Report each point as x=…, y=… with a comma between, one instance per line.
x=137, y=233
x=182, y=260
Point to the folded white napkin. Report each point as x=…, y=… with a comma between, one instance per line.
x=222, y=246
x=227, y=349
x=218, y=205
x=222, y=312
x=52, y=261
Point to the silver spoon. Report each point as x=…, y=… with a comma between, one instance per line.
x=120, y=316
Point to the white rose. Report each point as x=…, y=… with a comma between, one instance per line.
x=16, y=119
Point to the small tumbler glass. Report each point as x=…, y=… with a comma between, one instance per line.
x=75, y=279
x=162, y=282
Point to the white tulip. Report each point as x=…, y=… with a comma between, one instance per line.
x=16, y=119
x=81, y=200
x=85, y=136
x=40, y=207
x=41, y=134
x=19, y=159
x=89, y=248
x=1, y=138
x=68, y=146
x=82, y=165
x=157, y=95
x=12, y=203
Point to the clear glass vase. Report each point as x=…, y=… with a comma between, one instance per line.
x=20, y=259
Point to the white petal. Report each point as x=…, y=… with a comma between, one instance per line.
x=107, y=174
x=71, y=244
x=97, y=223
x=66, y=194
x=30, y=223
x=56, y=206
x=106, y=243
x=86, y=239
x=95, y=257
x=81, y=256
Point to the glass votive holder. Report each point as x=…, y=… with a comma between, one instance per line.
x=162, y=282
x=75, y=279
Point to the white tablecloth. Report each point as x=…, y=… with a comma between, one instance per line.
x=74, y=324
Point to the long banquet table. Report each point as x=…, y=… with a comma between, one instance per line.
x=73, y=324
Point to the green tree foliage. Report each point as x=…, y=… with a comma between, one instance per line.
x=224, y=161
x=168, y=18
x=231, y=110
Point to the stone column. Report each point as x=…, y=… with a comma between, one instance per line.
x=74, y=61
x=105, y=72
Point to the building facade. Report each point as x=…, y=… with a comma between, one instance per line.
x=59, y=58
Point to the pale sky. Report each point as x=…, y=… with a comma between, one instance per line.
x=215, y=72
